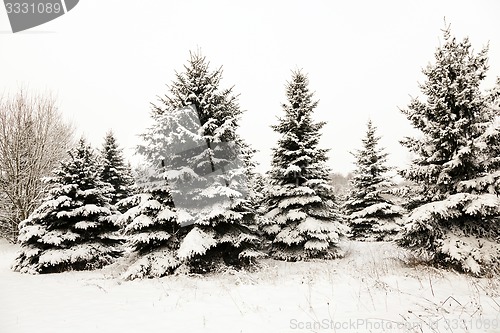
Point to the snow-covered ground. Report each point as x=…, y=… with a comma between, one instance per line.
x=370, y=290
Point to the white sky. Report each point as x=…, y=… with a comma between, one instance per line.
x=107, y=60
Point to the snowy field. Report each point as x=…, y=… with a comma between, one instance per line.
x=370, y=290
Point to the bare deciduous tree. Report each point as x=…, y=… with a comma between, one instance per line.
x=33, y=139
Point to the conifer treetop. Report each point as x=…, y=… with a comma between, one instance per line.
x=218, y=108
x=300, y=136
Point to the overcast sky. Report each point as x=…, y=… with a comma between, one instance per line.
x=105, y=61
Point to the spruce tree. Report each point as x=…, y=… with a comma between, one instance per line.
x=150, y=226
x=115, y=171
x=456, y=219
x=258, y=185
x=258, y=188
x=197, y=152
x=370, y=211
x=303, y=220
x=73, y=228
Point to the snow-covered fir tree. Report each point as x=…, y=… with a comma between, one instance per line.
x=205, y=165
x=115, y=171
x=150, y=226
x=370, y=210
x=258, y=185
x=73, y=228
x=303, y=220
x=258, y=190
x=456, y=219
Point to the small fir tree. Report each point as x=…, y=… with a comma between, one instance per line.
x=370, y=210
x=73, y=228
x=115, y=171
x=150, y=226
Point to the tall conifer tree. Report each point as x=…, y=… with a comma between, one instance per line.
x=195, y=149
x=456, y=219
x=303, y=220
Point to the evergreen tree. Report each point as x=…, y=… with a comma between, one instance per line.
x=303, y=219
x=115, y=172
x=456, y=215
x=371, y=213
x=73, y=228
x=258, y=190
x=205, y=165
x=258, y=187
x=150, y=225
